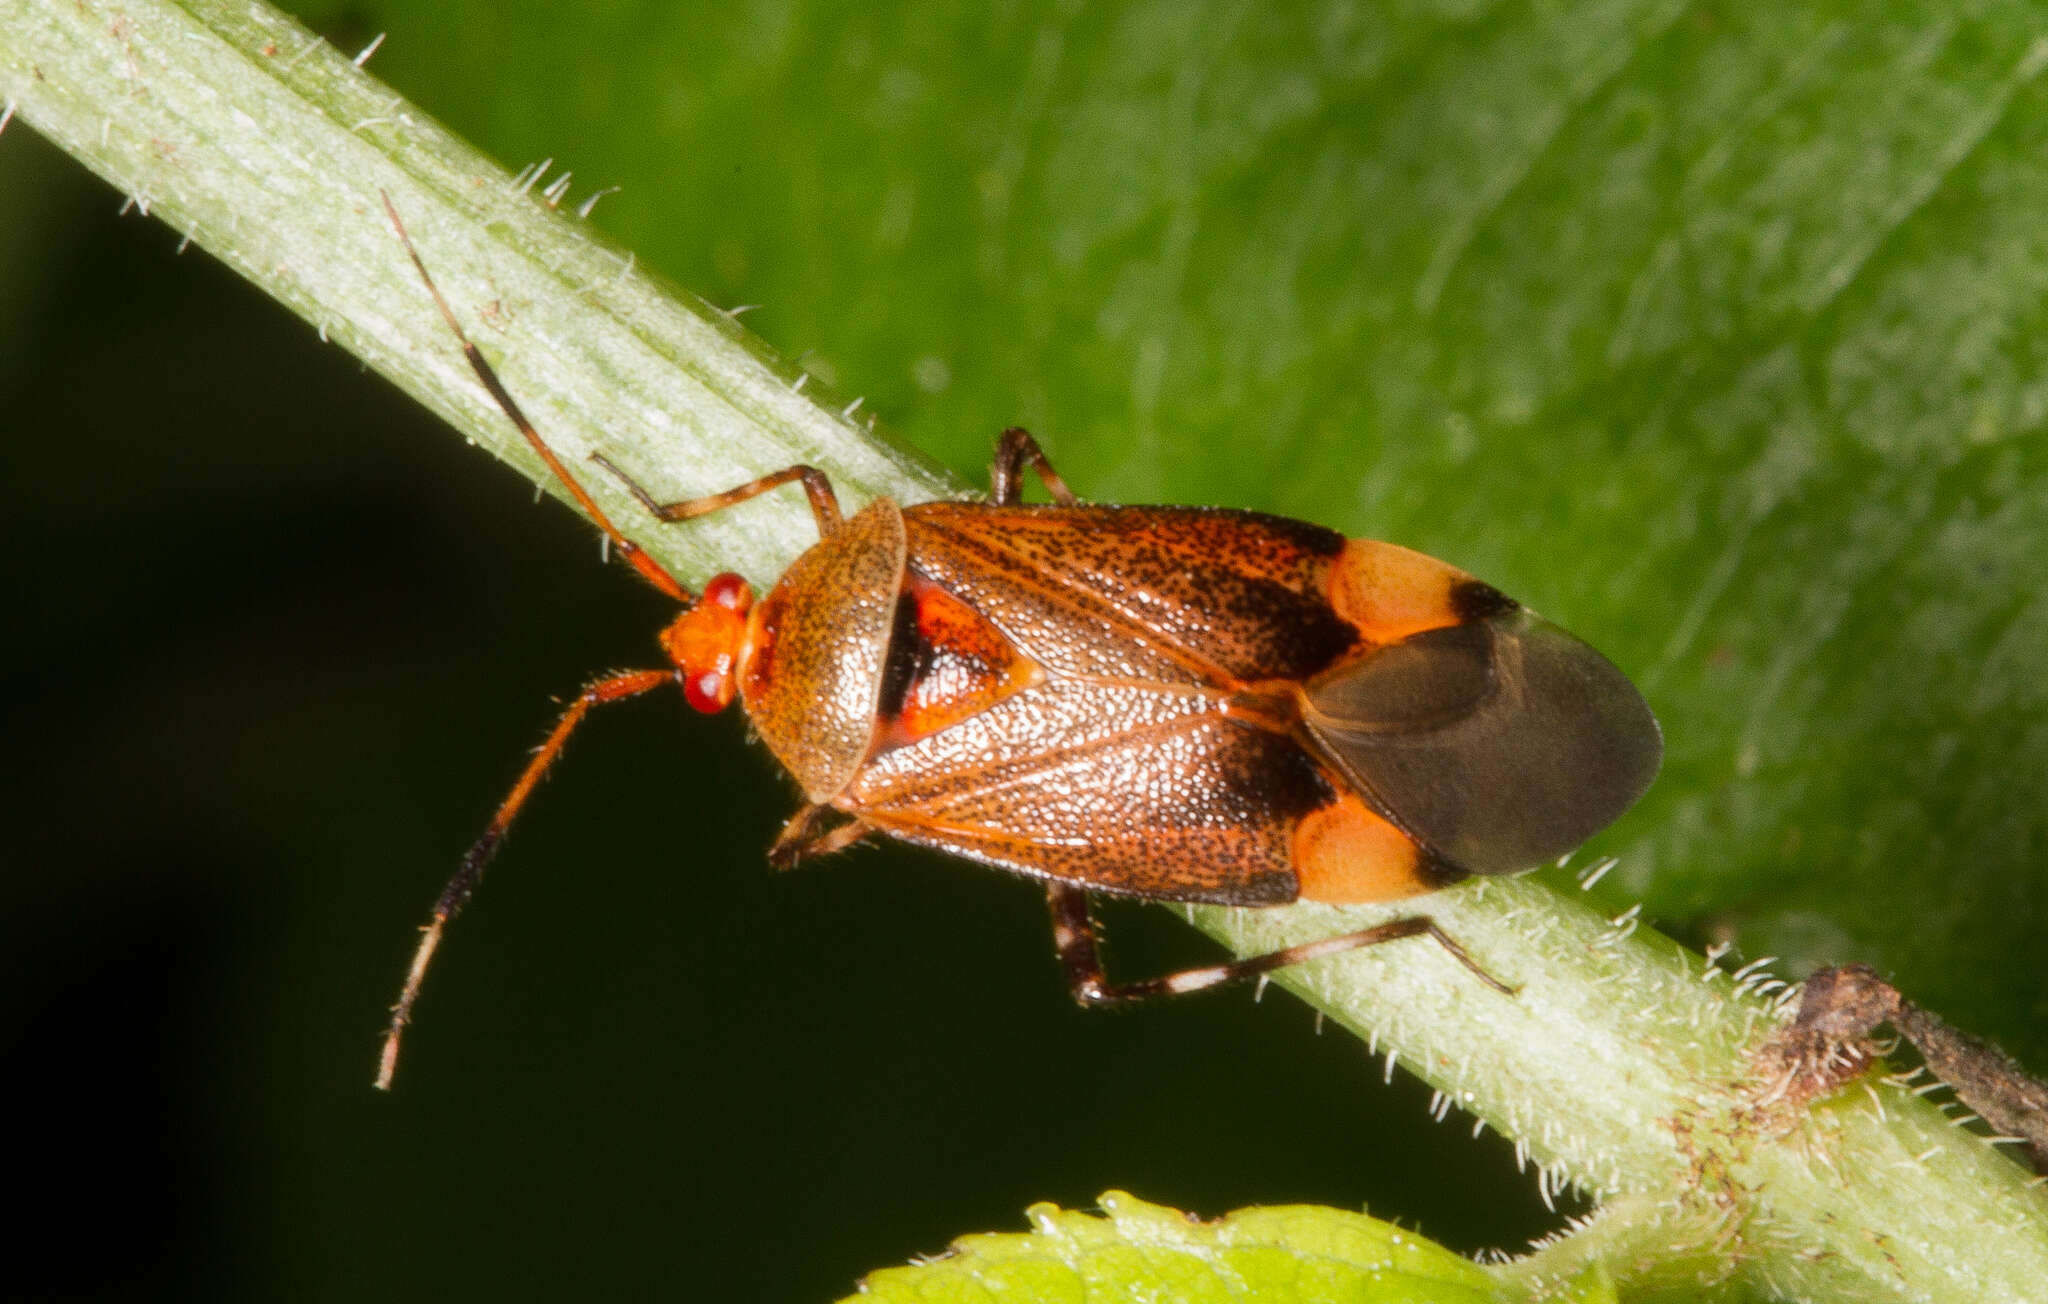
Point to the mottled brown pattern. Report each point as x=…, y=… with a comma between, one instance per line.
x=1172, y=702
x=1124, y=788
x=1177, y=595
x=820, y=639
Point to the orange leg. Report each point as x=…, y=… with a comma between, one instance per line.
x=824, y=503
x=1015, y=450
x=650, y=569
x=614, y=688
x=1073, y=935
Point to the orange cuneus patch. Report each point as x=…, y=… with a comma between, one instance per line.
x=1345, y=854
x=1390, y=592
x=946, y=664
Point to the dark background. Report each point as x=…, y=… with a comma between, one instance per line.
x=1735, y=371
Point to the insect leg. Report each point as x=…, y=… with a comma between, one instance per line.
x=805, y=836
x=462, y=886
x=824, y=503
x=1073, y=933
x=650, y=569
x=1014, y=450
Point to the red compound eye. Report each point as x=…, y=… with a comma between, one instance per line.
x=729, y=591
x=709, y=691
x=705, y=642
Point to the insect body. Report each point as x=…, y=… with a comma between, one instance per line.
x=1172, y=703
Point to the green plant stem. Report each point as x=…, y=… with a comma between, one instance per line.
x=1630, y=1067
x=1625, y=1066
x=269, y=148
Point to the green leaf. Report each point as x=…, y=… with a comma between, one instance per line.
x=1707, y=329
x=1639, y=312
x=1146, y=1251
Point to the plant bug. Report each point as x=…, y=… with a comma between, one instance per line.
x=1171, y=703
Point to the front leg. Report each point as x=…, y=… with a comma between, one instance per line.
x=817, y=488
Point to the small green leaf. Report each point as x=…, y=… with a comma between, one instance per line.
x=1136, y=1250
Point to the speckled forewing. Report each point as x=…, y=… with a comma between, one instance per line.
x=1175, y=595
x=1120, y=788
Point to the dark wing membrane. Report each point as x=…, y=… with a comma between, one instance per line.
x=1115, y=788
x=1176, y=595
x=1498, y=744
